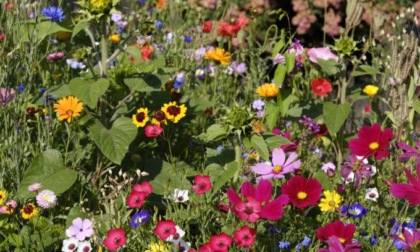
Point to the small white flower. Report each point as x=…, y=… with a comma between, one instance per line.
x=328, y=166
x=372, y=194
x=84, y=246
x=177, y=237
x=182, y=246
x=180, y=195
x=349, y=179
x=70, y=245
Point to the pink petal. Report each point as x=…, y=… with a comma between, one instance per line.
x=262, y=168
x=247, y=189
x=278, y=156
x=274, y=209
x=263, y=191
x=233, y=197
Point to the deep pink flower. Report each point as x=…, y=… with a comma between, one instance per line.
x=205, y=248
x=144, y=187
x=279, y=167
x=336, y=246
x=6, y=95
x=220, y=242
x=410, y=240
x=55, y=56
x=409, y=152
x=202, y=184
x=136, y=199
x=411, y=191
x=302, y=192
x=337, y=228
x=165, y=228
x=371, y=141
x=153, y=130
x=115, y=239
x=323, y=53
x=245, y=236
x=249, y=210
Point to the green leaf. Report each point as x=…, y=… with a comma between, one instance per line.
x=230, y=170
x=275, y=141
x=166, y=181
x=134, y=52
x=79, y=26
x=49, y=170
x=365, y=70
x=271, y=115
x=114, y=142
x=329, y=66
x=87, y=92
x=322, y=177
x=290, y=61
x=257, y=141
x=416, y=106
x=146, y=82
x=280, y=74
x=279, y=45
x=214, y=133
x=335, y=115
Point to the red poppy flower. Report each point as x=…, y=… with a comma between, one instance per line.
x=146, y=52
x=231, y=29
x=207, y=25
x=136, y=199
x=202, y=184
x=371, y=141
x=144, y=187
x=321, y=86
x=302, y=192
x=339, y=229
x=220, y=242
x=245, y=236
x=115, y=239
x=165, y=228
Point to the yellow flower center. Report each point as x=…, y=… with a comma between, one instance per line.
x=331, y=203
x=342, y=240
x=277, y=168
x=373, y=146
x=302, y=195
x=69, y=112
x=47, y=197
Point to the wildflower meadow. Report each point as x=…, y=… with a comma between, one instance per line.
x=210, y=125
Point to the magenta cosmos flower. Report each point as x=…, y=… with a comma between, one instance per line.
x=115, y=239
x=279, y=167
x=411, y=191
x=342, y=231
x=409, y=152
x=302, y=192
x=410, y=240
x=336, y=246
x=323, y=53
x=371, y=141
x=256, y=202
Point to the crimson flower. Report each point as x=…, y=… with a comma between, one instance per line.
x=220, y=242
x=165, y=228
x=342, y=231
x=231, y=29
x=302, y=192
x=115, y=239
x=245, y=236
x=136, y=199
x=202, y=184
x=153, y=130
x=206, y=26
x=144, y=187
x=336, y=246
x=321, y=87
x=371, y=141
x=411, y=191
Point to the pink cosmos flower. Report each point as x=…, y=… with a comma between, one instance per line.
x=153, y=130
x=302, y=192
x=336, y=246
x=371, y=141
x=165, y=228
x=280, y=166
x=80, y=229
x=6, y=95
x=144, y=187
x=115, y=239
x=202, y=184
x=323, y=53
x=220, y=242
x=245, y=236
x=409, y=152
x=411, y=191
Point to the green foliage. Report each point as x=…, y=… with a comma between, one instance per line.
x=335, y=116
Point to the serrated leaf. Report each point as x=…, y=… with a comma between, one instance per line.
x=335, y=115
x=230, y=170
x=87, y=92
x=114, y=142
x=257, y=141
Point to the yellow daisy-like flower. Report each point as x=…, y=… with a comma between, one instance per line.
x=174, y=112
x=331, y=201
x=68, y=108
x=115, y=38
x=159, y=117
x=28, y=211
x=158, y=247
x=3, y=195
x=141, y=118
x=371, y=90
x=219, y=55
x=268, y=90
x=99, y=5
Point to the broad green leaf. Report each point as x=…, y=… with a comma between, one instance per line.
x=134, y=52
x=335, y=115
x=271, y=115
x=275, y=141
x=365, y=70
x=59, y=91
x=280, y=74
x=79, y=26
x=290, y=61
x=230, y=170
x=329, y=66
x=322, y=177
x=216, y=132
x=49, y=170
x=166, y=181
x=87, y=92
x=114, y=142
x=257, y=141
x=416, y=106
x=146, y=82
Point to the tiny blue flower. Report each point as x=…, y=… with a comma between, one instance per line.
x=142, y=1
x=21, y=88
x=42, y=90
x=306, y=241
x=373, y=240
x=354, y=211
x=56, y=14
x=220, y=148
x=188, y=39
x=258, y=104
x=284, y=245
x=179, y=79
x=139, y=218
x=158, y=24
x=298, y=247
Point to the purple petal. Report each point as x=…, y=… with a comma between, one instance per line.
x=78, y=223
x=87, y=224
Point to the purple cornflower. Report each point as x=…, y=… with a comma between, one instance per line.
x=354, y=211
x=279, y=165
x=310, y=124
x=80, y=229
x=409, y=152
x=359, y=167
x=258, y=104
x=139, y=218
x=56, y=14
x=239, y=68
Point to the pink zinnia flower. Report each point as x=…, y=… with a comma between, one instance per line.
x=302, y=192
x=411, y=191
x=144, y=187
x=371, y=141
x=115, y=239
x=336, y=246
x=220, y=242
x=153, y=130
x=342, y=231
x=136, y=199
x=280, y=166
x=323, y=53
x=202, y=184
x=164, y=229
x=245, y=236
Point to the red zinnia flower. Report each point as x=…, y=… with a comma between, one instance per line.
x=144, y=187
x=165, y=228
x=220, y=242
x=115, y=239
x=409, y=192
x=136, y=199
x=245, y=236
x=202, y=184
x=207, y=25
x=321, y=86
x=372, y=141
x=302, y=192
x=342, y=231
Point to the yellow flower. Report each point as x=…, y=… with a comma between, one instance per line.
x=63, y=36
x=68, y=108
x=99, y=5
x=174, y=112
x=370, y=90
x=159, y=117
x=28, y=211
x=219, y=55
x=158, y=247
x=115, y=38
x=3, y=195
x=331, y=201
x=141, y=118
x=268, y=90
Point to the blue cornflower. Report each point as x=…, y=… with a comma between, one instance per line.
x=354, y=211
x=306, y=241
x=21, y=88
x=179, y=79
x=158, y=24
x=42, y=91
x=373, y=240
x=139, y=218
x=188, y=39
x=284, y=245
x=56, y=14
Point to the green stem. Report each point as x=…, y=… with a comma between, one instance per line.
x=238, y=154
x=67, y=143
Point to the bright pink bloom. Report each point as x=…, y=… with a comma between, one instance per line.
x=115, y=239
x=165, y=228
x=371, y=141
x=323, y=53
x=280, y=166
x=339, y=229
x=202, y=184
x=153, y=130
x=245, y=236
x=136, y=199
x=220, y=242
x=144, y=187
x=302, y=192
x=205, y=248
x=409, y=152
x=411, y=240
x=411, y=191
x=55, y=56
x=337, y=246
x=249, y=210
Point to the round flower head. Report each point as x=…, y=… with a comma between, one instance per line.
x=331, y=201
x=56, y=14
x=68, y=108
x=9, y=207
x=70, y=245
x=35, y=187
x=321, y=87
x=354, y=211
x=302, y=192
x=372, y=194
x=46, y=199
x=268, y=90
x=220, y=242
x=165, y=228
x=141, y=118
x=28, y=211
x=219, y=56
x=80, y=229
x=115, y=239
x=370, y=90
x=139, y=218
x=174, y=112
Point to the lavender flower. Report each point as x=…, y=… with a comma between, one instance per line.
x=6, y=95
x=258, y=104
x=75, y=64
x=279, y=59
x=56, y=14
x=80, y=229
x=410, y=152
x=34, y=187
x=46, y=199
x=239, y=68
x=359, y=167
x=179, y=79
x=310, y=124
